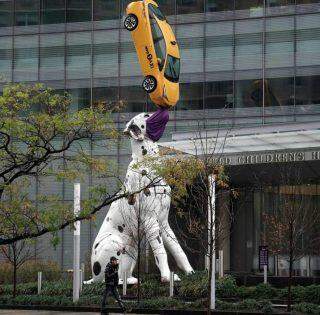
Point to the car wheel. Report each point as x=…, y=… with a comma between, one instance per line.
x=149, y=84
x=131, y=22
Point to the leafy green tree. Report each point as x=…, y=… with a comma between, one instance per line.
x=39, y=137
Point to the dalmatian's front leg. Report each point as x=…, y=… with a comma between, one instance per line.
x=155, y=240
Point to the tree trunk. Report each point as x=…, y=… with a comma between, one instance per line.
x=290, y=268
x=14, y=280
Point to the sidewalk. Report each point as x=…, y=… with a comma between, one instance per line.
x=23, y=312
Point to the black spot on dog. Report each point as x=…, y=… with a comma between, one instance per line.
x=123, y=225
x=96, y=268
x=146, y=115
x=147, y=192
x=142, y=147
x=120, y=228
x=157, y=260
x=144, y=152
x=96, y=245
x=108, y=219
x=144, y=173
x=159, y=239
x=142, y=126
x=118, y=253
x=165, y=191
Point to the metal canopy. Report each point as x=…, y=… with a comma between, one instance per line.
x=248, y=140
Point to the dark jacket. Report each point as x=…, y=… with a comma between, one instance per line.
x=111, y=275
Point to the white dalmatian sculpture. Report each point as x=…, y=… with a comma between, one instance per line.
x=117, y=232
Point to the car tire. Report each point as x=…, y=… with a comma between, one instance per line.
x=131, y=22
x=149, y=84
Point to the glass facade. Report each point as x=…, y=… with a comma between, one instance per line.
x=243, y=62
x=250, y=212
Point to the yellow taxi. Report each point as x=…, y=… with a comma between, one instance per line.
x=157, y=50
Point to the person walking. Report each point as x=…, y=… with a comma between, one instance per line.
x=111, y=282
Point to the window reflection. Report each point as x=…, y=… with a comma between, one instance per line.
x=5, y=58
x=52, y=53
x=167, y=6
x=133, y=98
x=80, y=98
x=26, y=58
x=6, y=13
x=191, y=96
x=105, y=10
x=189, y=6
x=248, y=4
x=248, y=93
x=279, y=92
x=108, y=96
x=78, y=10
x=276, y=3
x=307, y=90
x=219, y=5
x=219, y=94
x=26, y=12
x=52, y=12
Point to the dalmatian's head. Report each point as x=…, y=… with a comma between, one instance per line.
x=136, y=128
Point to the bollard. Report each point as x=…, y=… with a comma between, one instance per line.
x=171, y=283
x=265, y=274
x=221, y=273
x=39, y=282
x=124, y=286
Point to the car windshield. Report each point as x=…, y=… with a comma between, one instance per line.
x=172, y=70
x=156, y=11
x=158, y=41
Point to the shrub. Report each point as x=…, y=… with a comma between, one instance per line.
x=307, y=308
x=161, y=303
x=28, y=272
x=265, y=292
x=312, y=294
x=226, y=287
x=152, y=288
x=194, y=286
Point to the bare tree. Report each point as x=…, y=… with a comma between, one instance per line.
x=16, y=254
x=292, y=228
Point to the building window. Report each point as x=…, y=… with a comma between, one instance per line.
x=279, y=42
x=78, y=10
x=189, y=6
x=248, y=42
x=5, y=58
x=248, y=4
x=306, y=1
x=6, y=10
x=80, y=98
x=279, y=92
x=52, y=52
x=105, y=10
x=248, y=93
x=27, y=12
x=25, y=58
x=79, y=55
x=52, y=12
x=133, y=98
x=277, y=3
x=105, y=53
x=107, y=96
x=219, y=94
x=191, y=96
x=219, y=5
x=307, y=90
x=167, y=6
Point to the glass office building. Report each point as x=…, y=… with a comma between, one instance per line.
x=244, y=63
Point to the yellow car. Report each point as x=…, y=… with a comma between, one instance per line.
x=157, y=50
